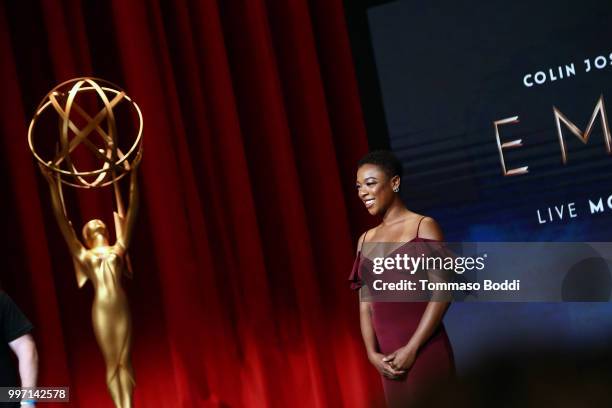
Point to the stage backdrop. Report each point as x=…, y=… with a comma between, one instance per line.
x=448, y=71
x=247, y=229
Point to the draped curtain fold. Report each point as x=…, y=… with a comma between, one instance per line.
x=248, y=222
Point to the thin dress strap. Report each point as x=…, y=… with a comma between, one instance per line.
x=419, y=226
x=363, y=240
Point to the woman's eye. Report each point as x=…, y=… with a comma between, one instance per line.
x=370, y=184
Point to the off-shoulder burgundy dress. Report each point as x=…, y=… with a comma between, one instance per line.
x=394, y=324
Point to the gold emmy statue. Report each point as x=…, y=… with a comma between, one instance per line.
x=93, y=138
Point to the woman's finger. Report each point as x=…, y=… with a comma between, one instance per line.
x=392, y=370
x=389, y=357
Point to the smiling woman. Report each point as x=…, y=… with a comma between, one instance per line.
x=405, y=341
x=374, y=169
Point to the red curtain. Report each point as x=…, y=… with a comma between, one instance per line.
x=246, y=233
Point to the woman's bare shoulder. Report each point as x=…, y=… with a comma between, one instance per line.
x=430, y=229
x=366, y=236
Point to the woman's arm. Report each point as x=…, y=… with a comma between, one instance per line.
x=75, y=246
x=365, y=317
x=369, y=337
x=434, y=312
x=367, y=329
x=369, y=340
x=431, y=319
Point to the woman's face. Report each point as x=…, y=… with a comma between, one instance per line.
x=375, y=188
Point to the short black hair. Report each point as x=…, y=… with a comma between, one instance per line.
x=384, y=159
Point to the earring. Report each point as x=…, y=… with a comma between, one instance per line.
x=395, y=189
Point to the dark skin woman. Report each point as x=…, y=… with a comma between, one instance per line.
x=412, y=325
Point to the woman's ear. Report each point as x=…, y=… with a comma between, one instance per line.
x=395, y=183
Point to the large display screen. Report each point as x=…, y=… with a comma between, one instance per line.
x=499, y=112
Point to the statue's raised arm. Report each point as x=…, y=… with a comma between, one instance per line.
x=125, y=235
x=74, y=244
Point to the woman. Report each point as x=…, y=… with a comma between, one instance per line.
x=103, y=264
x=405, y=341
